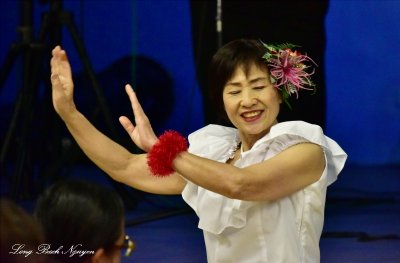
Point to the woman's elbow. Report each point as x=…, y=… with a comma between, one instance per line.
x=238, y=188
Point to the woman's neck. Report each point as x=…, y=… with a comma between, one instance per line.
x=248, y=140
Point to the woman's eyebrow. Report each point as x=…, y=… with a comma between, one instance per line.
x=239, y=84
x=236, y=84
x=258, y=79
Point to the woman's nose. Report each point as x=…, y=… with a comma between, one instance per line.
x=248, y=99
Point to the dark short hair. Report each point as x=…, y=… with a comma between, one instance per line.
x=76, y=212
x=241, y=52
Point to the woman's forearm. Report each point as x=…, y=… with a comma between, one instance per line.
x=212, y=175
x=118, y=162
x=105, y=153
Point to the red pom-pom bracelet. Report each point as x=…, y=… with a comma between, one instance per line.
x=163, y=153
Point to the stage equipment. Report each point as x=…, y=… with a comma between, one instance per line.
x=34, y=52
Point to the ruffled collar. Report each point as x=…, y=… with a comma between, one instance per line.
x=234, y=146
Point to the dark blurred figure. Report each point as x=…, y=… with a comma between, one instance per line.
x=83, y=216
x=20, y=233
x=301, y=22
x=152, y=83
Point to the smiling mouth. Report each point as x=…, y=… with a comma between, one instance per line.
x=251, y=115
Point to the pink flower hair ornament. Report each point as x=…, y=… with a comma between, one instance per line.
x=289, y=69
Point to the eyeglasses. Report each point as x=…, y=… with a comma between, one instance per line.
x=127, y=247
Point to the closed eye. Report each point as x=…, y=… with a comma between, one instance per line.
x=234, y=92
x=259, y=87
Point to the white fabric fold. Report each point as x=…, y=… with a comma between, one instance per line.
x=216, y=212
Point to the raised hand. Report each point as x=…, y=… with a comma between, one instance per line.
x=62, y=84
x=142, y=134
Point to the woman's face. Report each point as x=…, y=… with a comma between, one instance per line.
x=251, y=102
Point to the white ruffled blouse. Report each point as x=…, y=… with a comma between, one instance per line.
x=285, y=230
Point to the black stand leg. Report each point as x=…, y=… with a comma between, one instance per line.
x=19, y=127
x=63, y=18
x=34, y=55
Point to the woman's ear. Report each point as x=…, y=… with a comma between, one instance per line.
x=280, y=96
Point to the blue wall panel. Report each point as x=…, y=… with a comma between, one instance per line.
x=362, y=72
x=363, y=79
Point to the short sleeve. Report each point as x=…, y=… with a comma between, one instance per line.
x=300, y=131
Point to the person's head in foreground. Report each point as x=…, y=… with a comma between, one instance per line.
x=20, y=234
x=85, y=219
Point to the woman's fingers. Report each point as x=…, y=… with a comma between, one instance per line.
x=61, y=74
x=141, y=133
x=59, y=62
x=138, y=112
x=127, y=124
x=55, y=67
x=61, y=82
